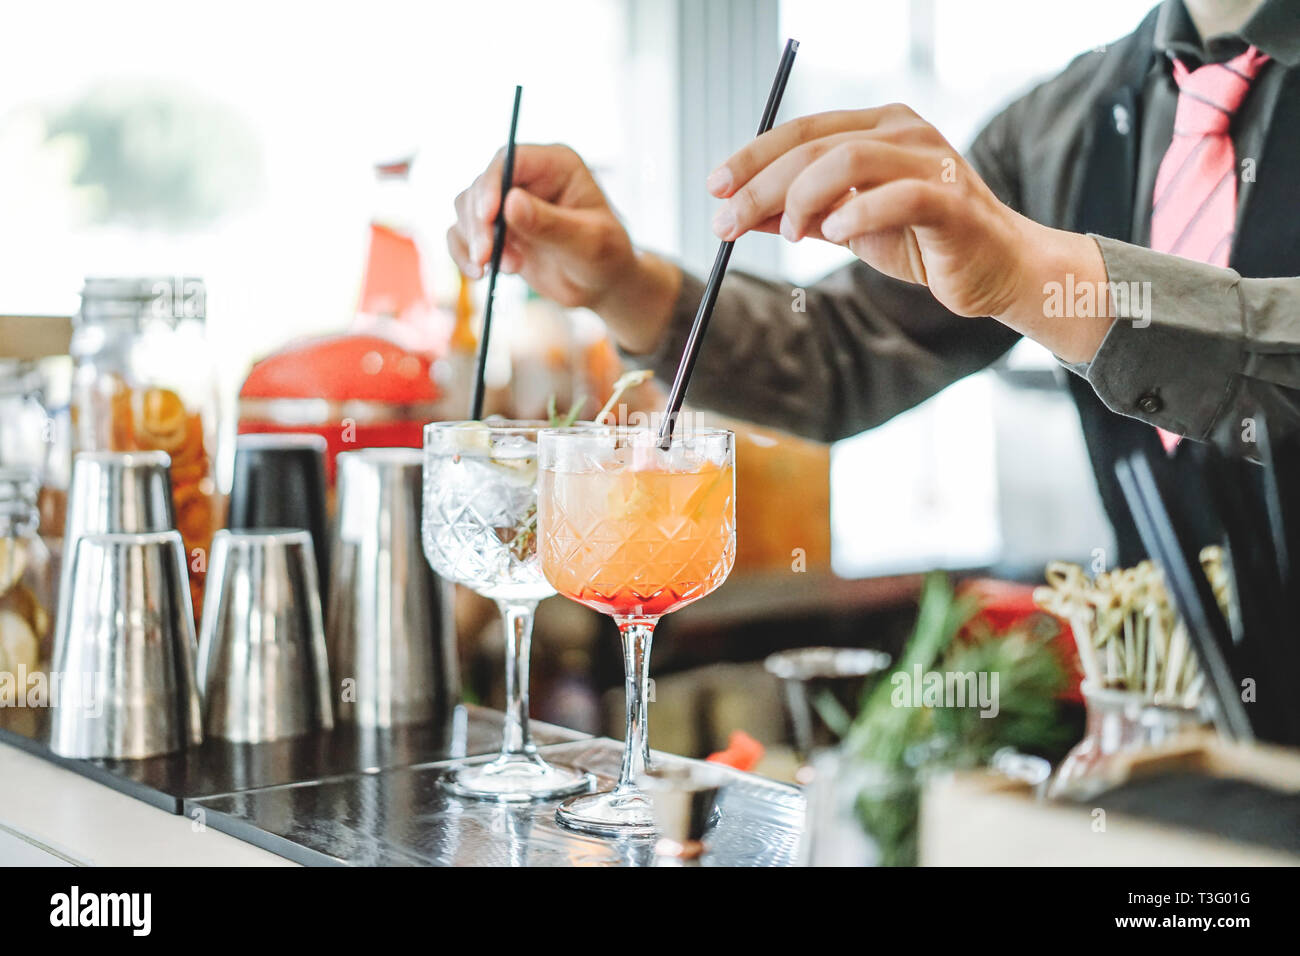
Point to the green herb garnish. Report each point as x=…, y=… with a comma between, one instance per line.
x=889, y=737
x=568, y=418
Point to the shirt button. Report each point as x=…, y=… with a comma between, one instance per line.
x=1120, y=115
x=1150, y=403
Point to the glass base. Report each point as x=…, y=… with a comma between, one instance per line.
x=610, y=813
x=517, y=778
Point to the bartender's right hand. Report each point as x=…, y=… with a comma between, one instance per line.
x=563, y=237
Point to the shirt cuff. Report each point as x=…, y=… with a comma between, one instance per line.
x=1175, y=353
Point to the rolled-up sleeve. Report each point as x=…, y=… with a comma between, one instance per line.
x=1196, y=349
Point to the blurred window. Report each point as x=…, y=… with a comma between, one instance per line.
x=237, y=141
x=937, y=486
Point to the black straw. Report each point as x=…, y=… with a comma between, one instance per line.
x=1264, y=596
x=1166, y=538
x=693, y=341
x=498, y=246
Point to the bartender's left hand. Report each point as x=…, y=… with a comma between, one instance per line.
x=885, y=184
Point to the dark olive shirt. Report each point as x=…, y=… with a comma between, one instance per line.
x=857, y=347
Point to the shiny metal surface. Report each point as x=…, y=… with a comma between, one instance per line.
x=126, y=666
x=112, y=493
x=685, y=795
x=403, y=817
x=279, y=482
x=262, y=668
x=222, y=766
x=388, y=629
x=813, y=677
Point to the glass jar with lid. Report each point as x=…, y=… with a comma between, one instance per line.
x=26, y=578
x=144, y=381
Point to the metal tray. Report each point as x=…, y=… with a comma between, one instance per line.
x=402, y=817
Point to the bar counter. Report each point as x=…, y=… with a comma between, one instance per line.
x=347, y=797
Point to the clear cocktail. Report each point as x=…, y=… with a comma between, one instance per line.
x=480, y=530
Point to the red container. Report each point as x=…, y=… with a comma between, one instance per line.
x=1006, y=604
x=356, y=391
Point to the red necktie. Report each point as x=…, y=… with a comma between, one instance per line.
x=1194, y=205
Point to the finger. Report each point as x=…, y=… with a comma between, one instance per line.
x=772, y=225
x=540, y=223
x=462, y=205
x=475, y=227
x=858, y=163
x=533, y=224
x=540, y=169
x=459, y=250
x=746, y=162
x=773, y=228
x=467, y=229
x=513, y=257
x=764, y=195
x=895, y=205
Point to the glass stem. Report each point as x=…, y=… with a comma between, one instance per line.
x=518, y=617
x=638, y=633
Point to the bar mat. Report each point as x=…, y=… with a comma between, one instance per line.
x=220, y=766
x=403, y=817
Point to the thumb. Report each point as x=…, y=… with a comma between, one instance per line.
x=541, y=221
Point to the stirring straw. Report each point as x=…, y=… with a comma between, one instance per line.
x=498, y=245
x=692, y=351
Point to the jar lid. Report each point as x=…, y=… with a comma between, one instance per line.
x=352, y=367
x=20, y=377
x=169, y=298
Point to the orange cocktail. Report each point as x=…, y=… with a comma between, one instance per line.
x=639, y=543
x=635, y=531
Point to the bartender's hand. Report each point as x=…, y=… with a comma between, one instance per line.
x=563, y=237
x=885, y=183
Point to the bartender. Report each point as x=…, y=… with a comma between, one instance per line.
x=1137, y=214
